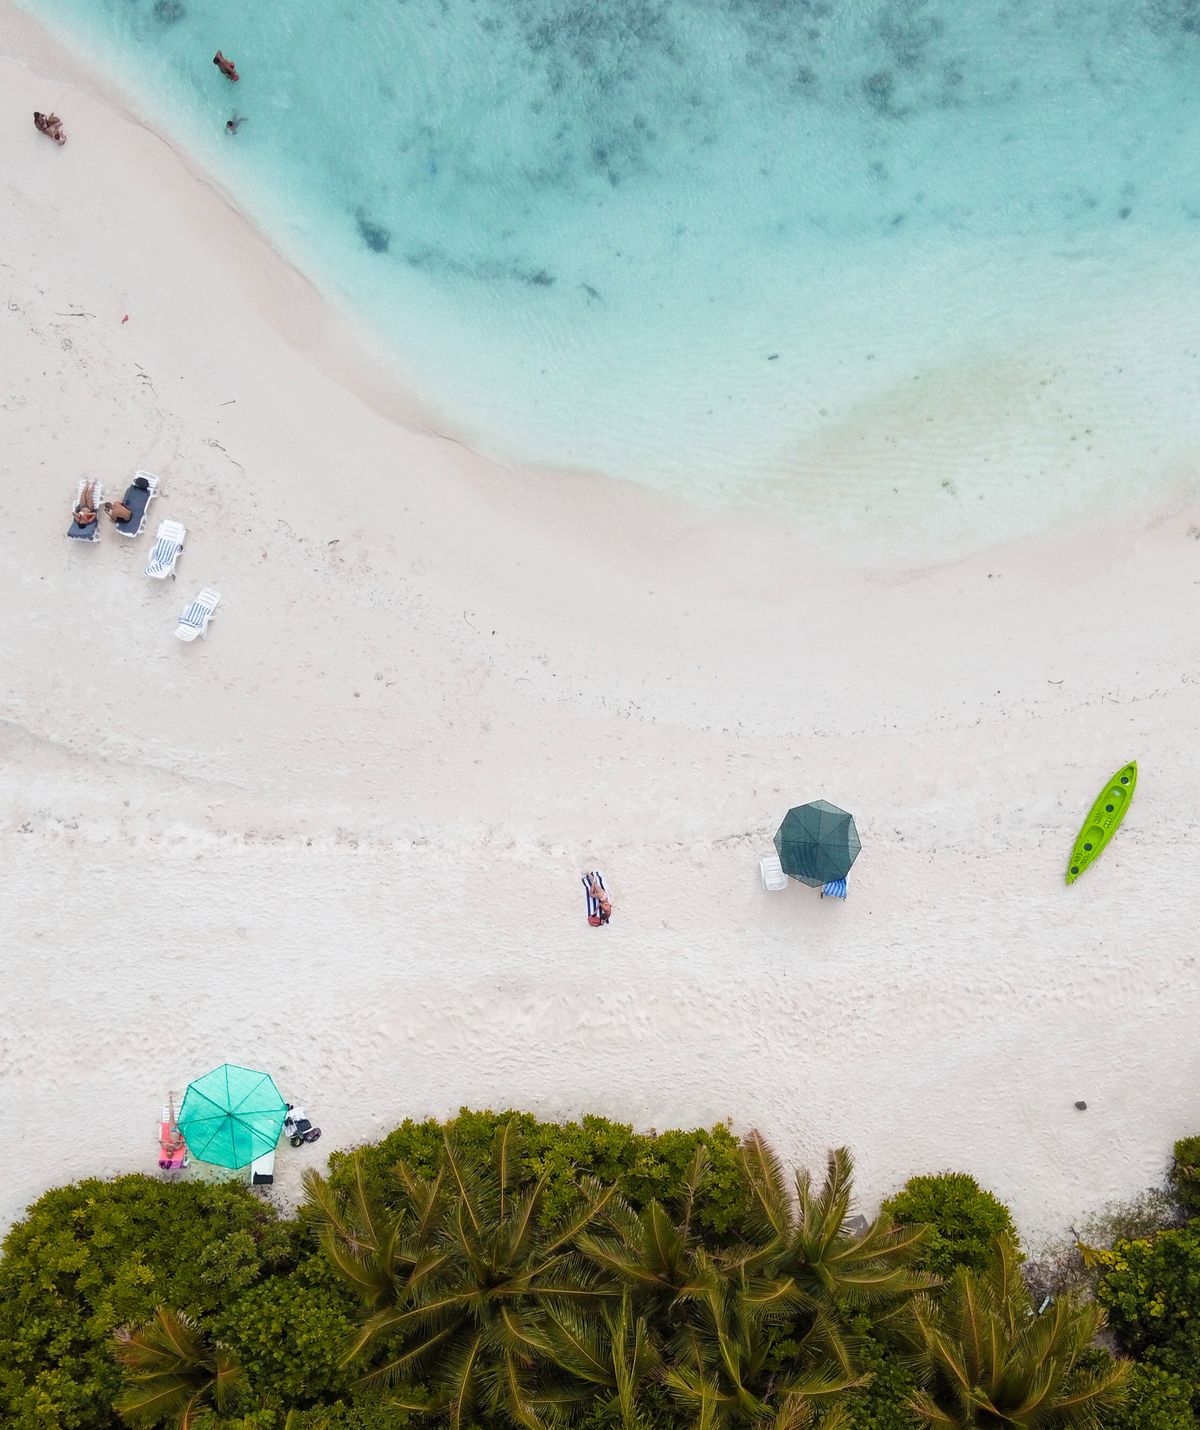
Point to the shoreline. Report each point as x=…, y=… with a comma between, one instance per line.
x=941, y=463
x=341, y=837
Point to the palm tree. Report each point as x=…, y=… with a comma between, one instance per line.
x=173, y=1372
x=459, y=1282
x=985, y=1359
x=650, y=1253
x=712, y=1316
x=614, y=1354
x=804, y=1254
x=720, y=1356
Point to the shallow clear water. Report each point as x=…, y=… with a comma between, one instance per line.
x=714, y=245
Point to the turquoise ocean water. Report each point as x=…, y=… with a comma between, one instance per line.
x=718, y=245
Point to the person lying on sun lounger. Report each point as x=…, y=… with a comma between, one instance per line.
x=85, y=508
x=129, y=514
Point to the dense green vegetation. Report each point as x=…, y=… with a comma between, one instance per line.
x=498, y=1271
x=963, y=1220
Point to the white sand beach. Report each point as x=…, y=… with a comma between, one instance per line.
x=340, y=839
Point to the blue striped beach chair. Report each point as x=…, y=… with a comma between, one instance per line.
x=194, y=621
x=167, y=546
x=835, y=889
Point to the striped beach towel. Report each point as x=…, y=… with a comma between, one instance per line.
x=593, y=904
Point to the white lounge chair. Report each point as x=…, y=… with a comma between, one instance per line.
x=167, y=546
x=90, y=532
x=262, y=1169
x=194, y=621
x=773, y=877
x=138, y=500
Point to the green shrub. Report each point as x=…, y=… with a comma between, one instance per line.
x=964, y=1221
x=1151, y=1290
x=91, y=1257
x=883, y=1403
x=1157, y=1400
x=94, y=1256
x=1185, y=1173
x=340, y=1415
x=647, y=1166
x=365, y=1415
x=288, y=1334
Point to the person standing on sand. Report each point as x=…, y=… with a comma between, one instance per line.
x=227, y=67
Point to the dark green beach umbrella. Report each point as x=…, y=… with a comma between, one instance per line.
x=231, y=1115
x=817, y=843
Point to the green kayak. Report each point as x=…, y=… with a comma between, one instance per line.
x=1101, y=824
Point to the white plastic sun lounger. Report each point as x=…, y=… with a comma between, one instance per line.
x=90, y=532
x=771, y=870
x=194, y=621
x=167, y=546
x=138, y=500
x=262, y=1169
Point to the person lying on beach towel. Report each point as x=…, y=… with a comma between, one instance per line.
x=599, y=906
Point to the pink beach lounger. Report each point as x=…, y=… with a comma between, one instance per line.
x=172, y=1151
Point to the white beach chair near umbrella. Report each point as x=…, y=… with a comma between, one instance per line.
x=771, y=872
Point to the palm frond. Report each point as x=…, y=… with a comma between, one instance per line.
x=627, y=1264
x=596, y=1197
x=521, y=1225
x=764, y=1172
x=401, y=1364
x=462, y=1375
x=693, y=1180
x=173, y=1371
x=581, y=1346
x=468, y=1212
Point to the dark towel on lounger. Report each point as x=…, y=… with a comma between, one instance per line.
x=137, y=499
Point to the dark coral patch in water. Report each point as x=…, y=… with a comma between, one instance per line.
x=377, y=238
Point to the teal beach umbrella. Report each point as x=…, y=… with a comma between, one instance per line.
x=231, y=1115
x=817, y=843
